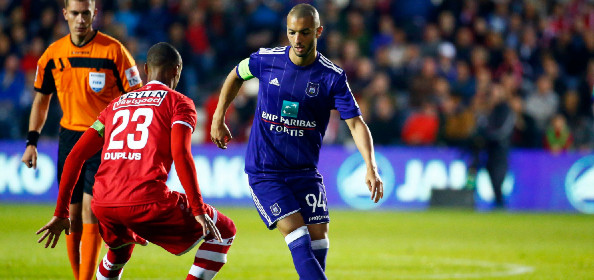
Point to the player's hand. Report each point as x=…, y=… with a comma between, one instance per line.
x=374, y=184
x=53, y=229
x=220, y=134
x=30, y=156
x=209, y=227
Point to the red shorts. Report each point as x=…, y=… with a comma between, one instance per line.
x=168, y=223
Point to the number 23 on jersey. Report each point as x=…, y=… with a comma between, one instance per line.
x=117, y=140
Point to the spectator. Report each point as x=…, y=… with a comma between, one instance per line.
x=12, y=85
x=529, y=52
x=155, y=21
x=384, y=123
x=5, y=51
x=525, y=133
x=447, y=26
x=34, y=52
x=581, y=126
x=479, y=59
x=421, y=86
x=127, y=17
x=550, y=67
x=464, y=43
x=177, y=38
x=465, y=84
x=542, y=104
x=421, y=127
x=365, y=73
x=446, y=67
x=458, y=122
x=431, y=41
x=385, y=35
x=513, y=32
x=46, y=24
x=497, y=131
x=510, y=64
x=558, y=137
x=350, y=57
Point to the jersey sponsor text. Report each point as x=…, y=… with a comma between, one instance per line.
x=141, y=98
x=291, y=126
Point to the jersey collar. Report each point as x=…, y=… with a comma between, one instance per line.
x=301, y=67
x=86, y=43
x=155, y=82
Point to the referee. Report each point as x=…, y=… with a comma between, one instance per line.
x=87, y=69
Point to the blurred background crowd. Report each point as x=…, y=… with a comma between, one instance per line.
x=424, y=72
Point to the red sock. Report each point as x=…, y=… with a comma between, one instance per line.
x=73, y=247
x=212, y=254
x=112, y=265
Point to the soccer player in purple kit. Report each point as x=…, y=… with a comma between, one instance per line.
x=298, y=89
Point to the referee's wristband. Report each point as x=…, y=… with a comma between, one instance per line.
x=32, y=138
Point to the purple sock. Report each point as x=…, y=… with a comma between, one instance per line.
x=320, y=250
x=304, y=260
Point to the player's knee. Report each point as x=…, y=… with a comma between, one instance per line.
x=226, y=226
x=232, y=228
x=121, y=254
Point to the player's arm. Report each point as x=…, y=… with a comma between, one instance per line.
x=364, y=143
x=219, y=132
x=181, y=136
x=44, y=86
x=89, y=144
x=37, y=119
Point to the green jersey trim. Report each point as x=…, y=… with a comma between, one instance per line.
x=243, y=70
x=97, y=125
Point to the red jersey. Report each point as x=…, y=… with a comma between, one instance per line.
x=136, y=156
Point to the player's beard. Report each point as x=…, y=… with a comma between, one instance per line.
x=307, y=52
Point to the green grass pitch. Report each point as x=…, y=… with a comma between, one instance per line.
x=434, y=244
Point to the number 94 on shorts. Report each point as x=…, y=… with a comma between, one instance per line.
x=278, y=197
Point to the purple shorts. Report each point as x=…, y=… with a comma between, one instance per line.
x=276, y=197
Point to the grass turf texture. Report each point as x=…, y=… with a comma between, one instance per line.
x=435, y=244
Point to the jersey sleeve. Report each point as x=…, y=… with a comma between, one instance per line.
x=344, y=101
x=44, y=79
x=184, y=113
x=127, y=70
x=249, y=67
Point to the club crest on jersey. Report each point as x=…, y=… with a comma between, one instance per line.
x=275, y=209
x=290, y=109
x=312, y=89
x=96, y=81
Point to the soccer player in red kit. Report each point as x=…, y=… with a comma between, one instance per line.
x=142, y=133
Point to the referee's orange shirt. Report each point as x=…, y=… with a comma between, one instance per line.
x=86, y=78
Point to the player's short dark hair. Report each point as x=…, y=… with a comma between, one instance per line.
x=66, y=2
x=305, y=10
x=163, y=55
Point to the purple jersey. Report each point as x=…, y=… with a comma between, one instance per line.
x=293, y=110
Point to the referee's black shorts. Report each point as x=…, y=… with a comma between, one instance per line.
x=86, y=180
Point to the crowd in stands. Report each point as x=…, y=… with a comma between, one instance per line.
x=423, y=71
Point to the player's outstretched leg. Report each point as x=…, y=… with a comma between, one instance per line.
x=212, y=254
x=112, y=265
